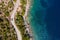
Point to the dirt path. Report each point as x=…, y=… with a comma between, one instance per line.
x=13, y=21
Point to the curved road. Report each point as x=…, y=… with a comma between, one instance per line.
x=13, y=22
x=26, y=11
x=27, y=8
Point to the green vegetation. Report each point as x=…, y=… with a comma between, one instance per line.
x=14, y=0
x=23, y=10
x=10, y=4
x=6, y=30
x=23, y=6
x=6, y=9
x=20, y=24
x=23, y=2
x=7, y=13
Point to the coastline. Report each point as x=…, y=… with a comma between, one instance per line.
x=27, y=23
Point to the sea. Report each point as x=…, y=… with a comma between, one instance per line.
x=44, y=18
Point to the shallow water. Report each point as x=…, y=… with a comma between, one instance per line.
x=43, y=19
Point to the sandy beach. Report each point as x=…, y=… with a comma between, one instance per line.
x=28, y=27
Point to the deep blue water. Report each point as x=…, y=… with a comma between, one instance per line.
x=45, y=19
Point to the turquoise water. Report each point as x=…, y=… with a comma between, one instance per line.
x=43, y=19
x=37, y=15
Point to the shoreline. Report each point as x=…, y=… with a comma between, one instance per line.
x=28, y=26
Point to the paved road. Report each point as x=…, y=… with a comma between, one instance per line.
x=13, y=22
